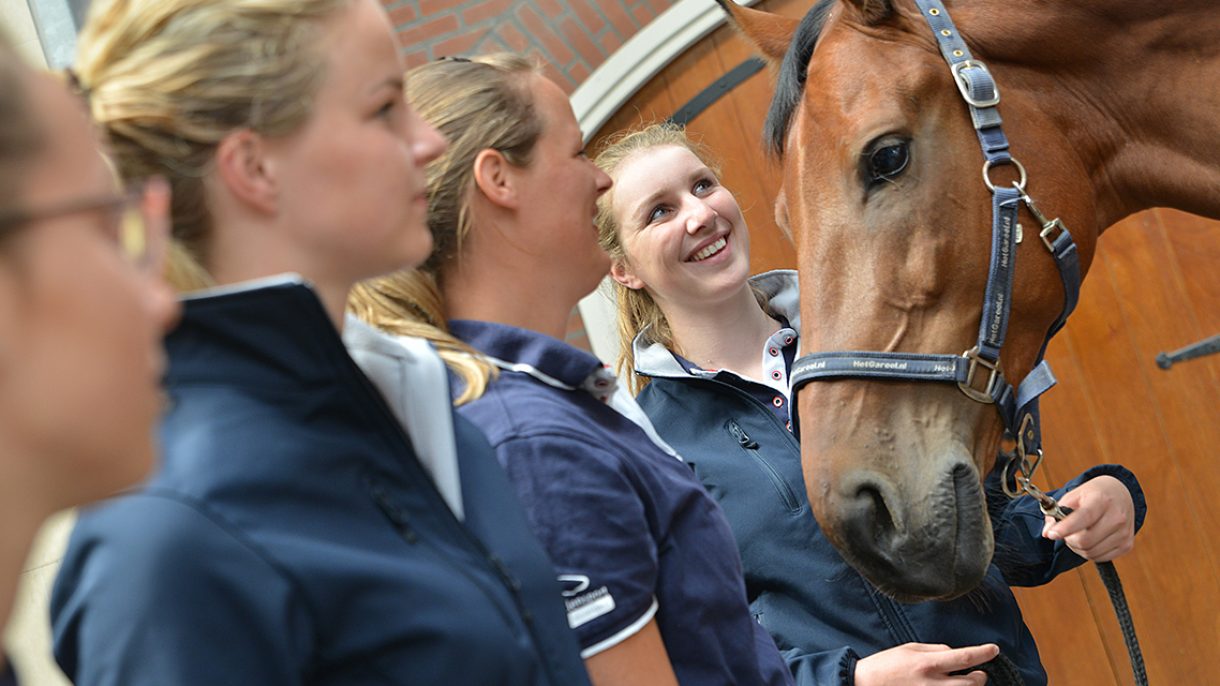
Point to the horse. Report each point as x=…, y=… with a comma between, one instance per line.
x=1109, y=107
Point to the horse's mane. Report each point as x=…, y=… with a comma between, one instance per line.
x=790, y=85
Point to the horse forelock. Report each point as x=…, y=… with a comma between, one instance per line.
x=790, y=84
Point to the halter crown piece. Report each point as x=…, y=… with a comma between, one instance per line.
x=978, y=372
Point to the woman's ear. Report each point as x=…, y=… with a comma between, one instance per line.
x=243, y=168
x=494, y=177
x=621, y=272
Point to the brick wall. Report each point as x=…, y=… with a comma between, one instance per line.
x=572, y=37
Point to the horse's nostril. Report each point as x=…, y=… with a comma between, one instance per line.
x=877, y=514
x=966, y=490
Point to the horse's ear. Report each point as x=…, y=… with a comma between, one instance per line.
x=873, y=11
x=770, y=33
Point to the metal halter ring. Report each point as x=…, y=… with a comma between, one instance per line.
x=1012, y=160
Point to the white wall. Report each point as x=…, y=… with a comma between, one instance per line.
x=18, y=25
x=27, y=639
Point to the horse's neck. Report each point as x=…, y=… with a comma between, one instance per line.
x=1136, y=85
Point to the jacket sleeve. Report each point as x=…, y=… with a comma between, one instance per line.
x=1023, y=556
x=153, y=591
x=587, y=512
x=826, y=668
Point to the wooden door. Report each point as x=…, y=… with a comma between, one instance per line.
x=1154, y=286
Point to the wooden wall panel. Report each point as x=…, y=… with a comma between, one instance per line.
x=1114, y=404
x=1154, y=286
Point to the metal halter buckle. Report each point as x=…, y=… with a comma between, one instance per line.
x=984, y=396
x=1025, y=433
x=1052, y=226
x=958, y=68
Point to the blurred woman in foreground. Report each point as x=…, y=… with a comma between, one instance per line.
x=82, y=312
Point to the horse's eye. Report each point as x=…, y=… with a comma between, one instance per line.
x=886, y=162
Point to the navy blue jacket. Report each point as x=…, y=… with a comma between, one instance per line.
x=822, y=613
x=292, y=537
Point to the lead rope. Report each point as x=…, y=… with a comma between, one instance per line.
x=1107, y=570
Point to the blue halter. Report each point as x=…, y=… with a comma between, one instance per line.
x=977, y=372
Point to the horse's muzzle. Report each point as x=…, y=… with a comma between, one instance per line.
x=914, y=545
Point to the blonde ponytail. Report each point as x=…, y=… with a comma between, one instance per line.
x=477, y=104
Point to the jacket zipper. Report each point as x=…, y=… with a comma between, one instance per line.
x=890, y=611
x=892, y=614
x=750, y=447
x=506, y=578
x=401, y=523
x=748, y=399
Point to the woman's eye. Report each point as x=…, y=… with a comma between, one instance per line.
x=888, y=161
x=656, y=214
x=702, y=186
x=387, y=109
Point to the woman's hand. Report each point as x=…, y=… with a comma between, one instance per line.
x=918, y=664
x=1102, y=524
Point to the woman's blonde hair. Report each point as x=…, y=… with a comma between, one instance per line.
x=637, y=311
x=168, y=79
x=481, y=103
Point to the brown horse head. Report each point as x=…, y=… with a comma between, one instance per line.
x=884, y=194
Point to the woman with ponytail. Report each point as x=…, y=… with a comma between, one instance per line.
x=649, y=570
x=294, y=533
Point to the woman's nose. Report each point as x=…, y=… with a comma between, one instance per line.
x=699, y=215
x=427, y=142
x=604, y=182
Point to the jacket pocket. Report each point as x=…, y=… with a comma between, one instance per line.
x=750, y=447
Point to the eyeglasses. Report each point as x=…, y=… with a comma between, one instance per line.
x=123, y=221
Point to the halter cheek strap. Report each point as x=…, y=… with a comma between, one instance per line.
x=977, y=372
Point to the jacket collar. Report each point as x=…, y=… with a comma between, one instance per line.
x=539, y=355
x=412, y=380
x=555, y=364
x=266, y=333
x=783, y=298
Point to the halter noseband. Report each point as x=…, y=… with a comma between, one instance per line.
x=977, y=372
